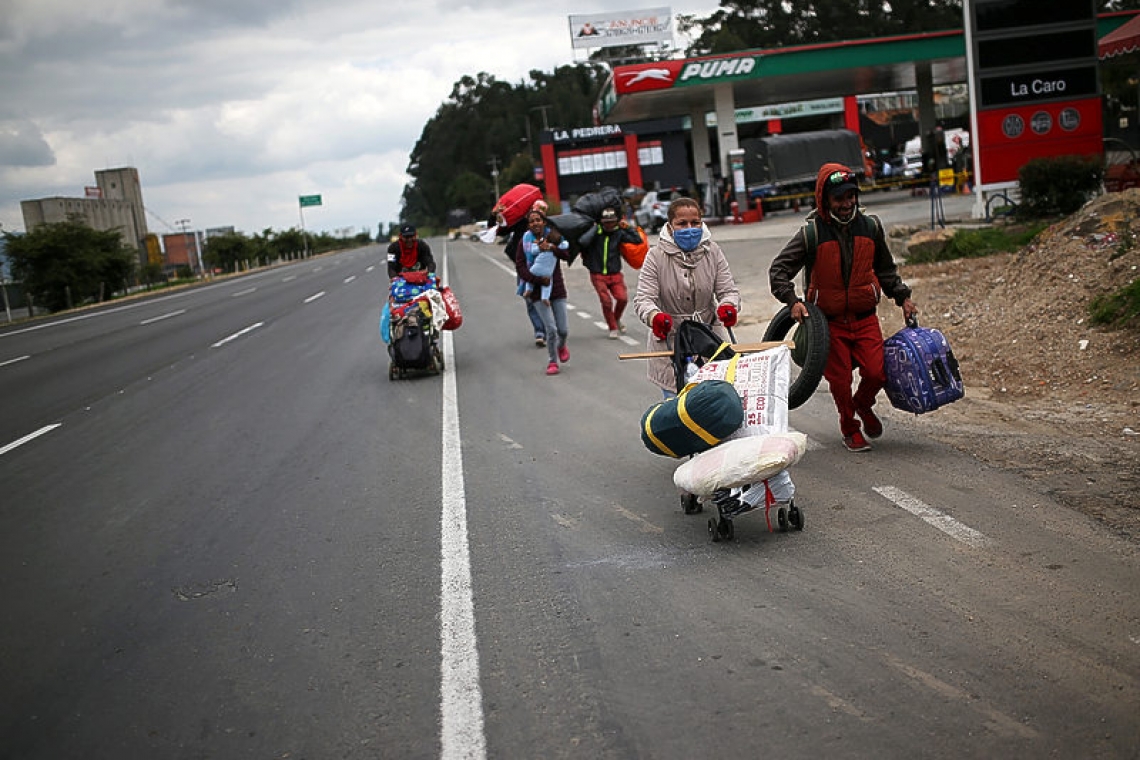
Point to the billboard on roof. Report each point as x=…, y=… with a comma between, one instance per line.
x=640, y=27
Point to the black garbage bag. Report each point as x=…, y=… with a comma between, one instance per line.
x=591, y=204
x=572, y=226
x=696, y=343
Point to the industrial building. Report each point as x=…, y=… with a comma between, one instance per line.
x=114, y=203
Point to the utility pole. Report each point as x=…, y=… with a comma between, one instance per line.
x=4, y=285
x=544, y=109
x=494, y=162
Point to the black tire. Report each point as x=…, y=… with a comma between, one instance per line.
x=810, y=353
x=714, y=530
x=782, y=519
x=690, y=504
x=393, y=372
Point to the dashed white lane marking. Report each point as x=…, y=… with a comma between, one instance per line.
x=932, y=516
x=314, y=297
x=29, y=437
x=168, y=315
x=237, y=335
x=245, y=292
x=17, y=359
x=349, y=279
x=462, y=734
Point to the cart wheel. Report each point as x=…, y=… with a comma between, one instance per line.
x=714, y=530
x=393, y=372
x=690, y=504
x=727, y=529
x=438, y=357
x=796, y=516
x=782, y=519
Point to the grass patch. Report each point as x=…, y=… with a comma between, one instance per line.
x=1119, y=309
x=972, y=244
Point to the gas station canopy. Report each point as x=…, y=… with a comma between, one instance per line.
x=783, y=75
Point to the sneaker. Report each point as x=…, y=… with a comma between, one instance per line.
x=552, y=368
x=856, y=442
x=563, y=354
x=621, y=328
x=613, y=334
x=540, y=341
x=872, y=425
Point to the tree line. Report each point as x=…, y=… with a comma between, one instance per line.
x=68, y=264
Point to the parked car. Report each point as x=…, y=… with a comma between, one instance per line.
x=654, y=209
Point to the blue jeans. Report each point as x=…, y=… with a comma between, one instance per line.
x=535, y=320
x=553, y=321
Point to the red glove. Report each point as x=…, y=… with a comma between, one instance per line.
x=662, y=324
x=726, y=312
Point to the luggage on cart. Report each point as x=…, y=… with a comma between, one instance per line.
x=761, y=380
x=411, y=344
x=922, y=373
x=695, y=420
x=415, y=315
x=739, y=462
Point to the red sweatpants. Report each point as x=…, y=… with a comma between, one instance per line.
x=854, y=344
x=612, y=294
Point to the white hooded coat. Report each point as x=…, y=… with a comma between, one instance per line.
x=684, y=286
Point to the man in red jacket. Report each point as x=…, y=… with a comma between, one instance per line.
x=409, y=254
x=848, y=268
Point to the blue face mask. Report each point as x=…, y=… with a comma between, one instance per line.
x=688, y=238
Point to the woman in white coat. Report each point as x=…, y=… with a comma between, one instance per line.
x=685, y=276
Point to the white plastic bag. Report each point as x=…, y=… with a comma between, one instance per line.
x=781, y=485
x=438, y=309
x=739, y=461
x=761, y=379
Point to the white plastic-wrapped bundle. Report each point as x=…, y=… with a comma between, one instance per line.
x=739, y=461
x=781, y=485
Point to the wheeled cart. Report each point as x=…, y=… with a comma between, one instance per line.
x=730, y=503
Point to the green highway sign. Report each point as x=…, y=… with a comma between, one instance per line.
x=310, y=200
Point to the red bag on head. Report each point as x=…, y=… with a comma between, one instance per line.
x=451, y=303
x=514, y=203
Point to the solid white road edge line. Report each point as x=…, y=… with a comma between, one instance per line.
x=461, y=698
x=29, y=437
x=932, y=516
x=238, y=334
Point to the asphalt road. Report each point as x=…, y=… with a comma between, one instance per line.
x=234, y=537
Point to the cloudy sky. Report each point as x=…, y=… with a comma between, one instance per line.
x=230, y=109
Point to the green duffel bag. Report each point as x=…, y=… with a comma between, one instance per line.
x=698, y=418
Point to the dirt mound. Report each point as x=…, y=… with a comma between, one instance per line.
x=1047, y=393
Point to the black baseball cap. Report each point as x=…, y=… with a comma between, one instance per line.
x=839, y=182
x=408, y=230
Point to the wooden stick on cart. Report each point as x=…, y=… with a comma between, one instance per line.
x=740, y=348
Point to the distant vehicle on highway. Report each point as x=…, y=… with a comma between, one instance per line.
x=654, y=209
